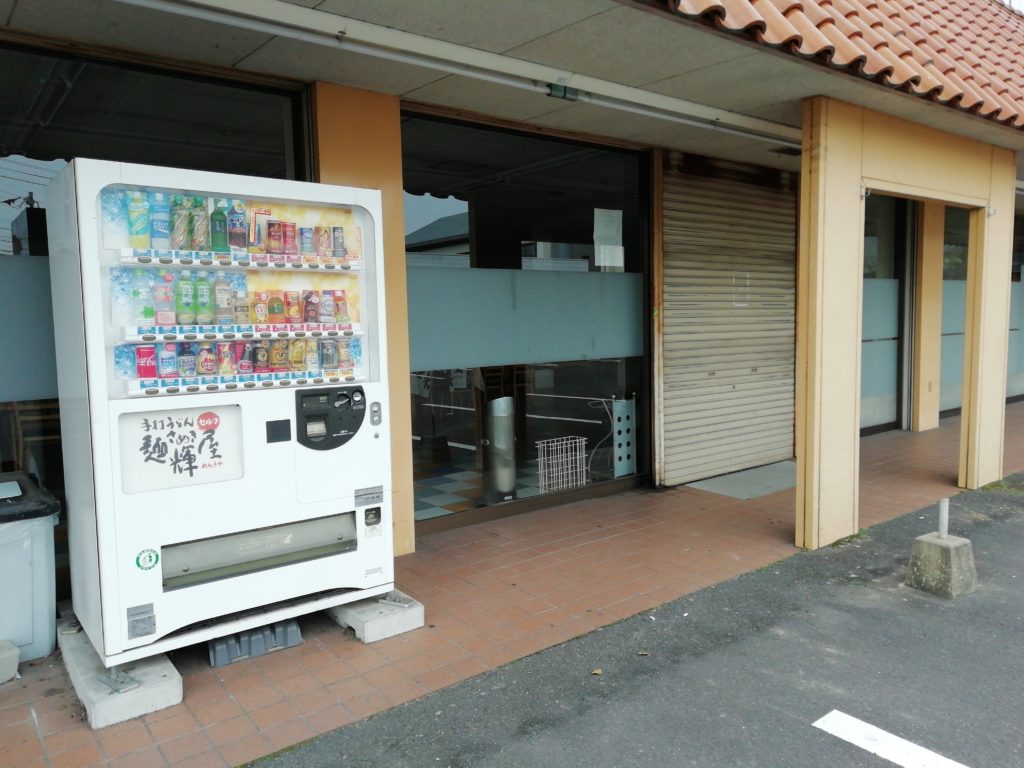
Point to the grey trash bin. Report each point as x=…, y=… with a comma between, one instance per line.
x=28, y=607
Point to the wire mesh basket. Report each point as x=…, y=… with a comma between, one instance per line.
x=562, y=463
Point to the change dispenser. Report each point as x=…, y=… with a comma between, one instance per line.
x=329, y=418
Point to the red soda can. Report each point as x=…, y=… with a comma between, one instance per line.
x=244, y=356
x=288, y=239
x=226, y=365
x=145, y=361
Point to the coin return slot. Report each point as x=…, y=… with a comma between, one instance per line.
x=316, y=429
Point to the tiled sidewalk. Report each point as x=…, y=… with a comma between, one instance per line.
x=494, y=592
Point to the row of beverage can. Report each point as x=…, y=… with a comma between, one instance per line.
x=172, y=360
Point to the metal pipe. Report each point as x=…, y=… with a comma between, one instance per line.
x=944, y=518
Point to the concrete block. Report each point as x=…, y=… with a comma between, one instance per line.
x=159, y=684
x=9, y=658
x=377, y=618
x=942, y=566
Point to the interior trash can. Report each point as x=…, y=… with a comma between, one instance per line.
x=28, y=607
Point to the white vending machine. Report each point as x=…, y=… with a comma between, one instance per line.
x=221, y=355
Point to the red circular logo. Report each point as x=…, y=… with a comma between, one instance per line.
x=208, y=421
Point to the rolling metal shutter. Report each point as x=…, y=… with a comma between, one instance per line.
x=728, y=319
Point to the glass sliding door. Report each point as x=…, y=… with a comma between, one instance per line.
x=885, y=248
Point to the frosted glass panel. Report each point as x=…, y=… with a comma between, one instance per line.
x=878, y=380
x=881, y=309
x=951, y=373
x=879, y=365
x=954, y=294
x=26, y=314
x=466, y=318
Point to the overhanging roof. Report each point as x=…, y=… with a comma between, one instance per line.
x=961, y=53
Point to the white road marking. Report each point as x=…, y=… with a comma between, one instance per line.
x=882, y=743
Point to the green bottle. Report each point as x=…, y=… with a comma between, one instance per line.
x=219, y=227
x=185, y=299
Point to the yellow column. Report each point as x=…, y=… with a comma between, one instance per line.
x=829, y=287
x=358, y=143
x=924, y=397
x=985, y=339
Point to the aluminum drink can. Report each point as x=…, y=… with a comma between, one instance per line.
x=167, y=361
x=244, y=355
x=288, y=240
x=275, y=237
x=328, y=355
x=307, y=244
x=338, y=242
x=293, y=307
x=279, y=355
x=261, y=357
x=322, y=241
x=226, y=365
x=145, y=361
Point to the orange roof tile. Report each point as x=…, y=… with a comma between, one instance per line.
x=962, y=53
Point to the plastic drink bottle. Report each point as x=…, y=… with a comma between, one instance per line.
x=167, y=360
x=204, y=299
x=138, y=220
x=219, y=227
x=141, y=293
x=206, y=360
x=181, y=223
x=159, y=221
x=185, y=299
x=223, y=300
x=186, y=360
x=200, y=224
x=237, y=231
x=163, y=298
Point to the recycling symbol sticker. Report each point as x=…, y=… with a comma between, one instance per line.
x=147, y=559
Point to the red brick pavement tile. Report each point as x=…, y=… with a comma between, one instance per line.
x=313, y=701
x=367, y=704
x=274, y=714
x=146, y=758
x=179, y=748
x=350, y=689
x=259, y=697
x=166, y=714
x=230, y=730
x=214, y=712
x=23, y=752
x=293, y=686
x=80, y=757
x=289, y=733
x=124, y=738
x=173, y=727
x=202, y=760
x=329, y=718
x=246, y=750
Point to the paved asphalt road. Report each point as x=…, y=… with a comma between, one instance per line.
x=736, y=674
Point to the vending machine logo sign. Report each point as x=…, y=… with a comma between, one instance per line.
x=180, y=447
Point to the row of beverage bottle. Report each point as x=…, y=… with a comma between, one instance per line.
x=229, y=358
x=162, y=221
x=181, y=299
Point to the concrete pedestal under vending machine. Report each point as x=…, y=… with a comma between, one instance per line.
x=221, y=352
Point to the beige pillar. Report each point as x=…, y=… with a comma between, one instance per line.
x=829, y=287
x=985, y=338
x=927, y=357
x=367, y=152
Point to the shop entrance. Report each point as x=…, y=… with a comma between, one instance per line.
x=526, y=259
x=885, y=362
